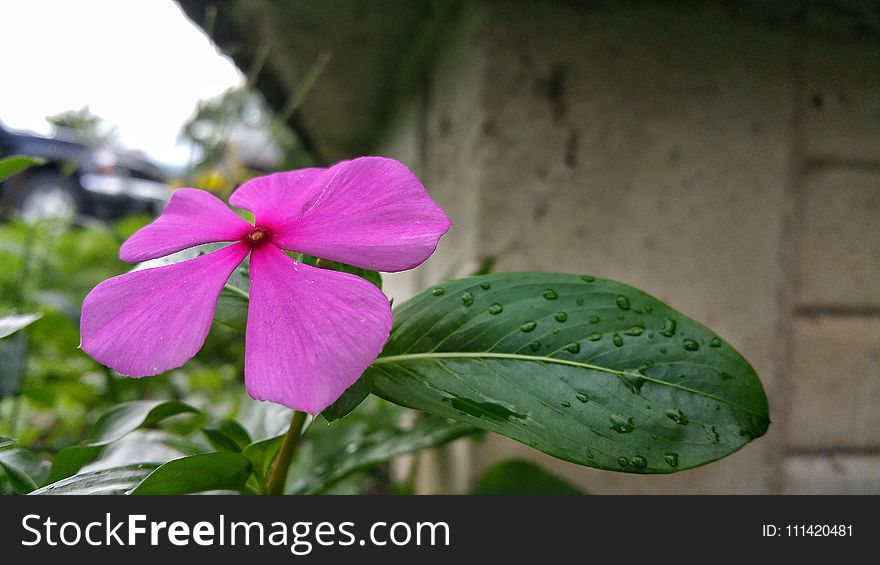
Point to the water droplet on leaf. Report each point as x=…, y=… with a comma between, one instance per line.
x=678, y=417
x=588, y=278
x=528, y=326
x=496, y=309
x=467, y=299
x=668, y=327
x=671, y=459
x=715, y=342
x=561, y=317
x=618, y=341
x=438, y=291
x=639, y=462
x=594, y=337
x=690, y=345
x=622, y=425
x=635, y=330
x=583, y=398
x=550, y=294
x=573, y=347
x=622, y=302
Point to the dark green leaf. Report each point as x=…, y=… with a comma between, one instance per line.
x=198, y=473
x=13, y=165
x=118, y=480
x=350, y=399
x=587, y=370
x=114, y=424
x=378, y=447
x=24, y=469
x=6, y=442
x=372, y=276
x=521, y=477
x=261, y=454
x=129, y=416
x=231, y=310
x=13, y=360
x=14, y=322
x=227, y=435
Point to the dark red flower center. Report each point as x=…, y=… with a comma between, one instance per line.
x=257, y=236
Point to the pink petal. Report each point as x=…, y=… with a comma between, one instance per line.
x=310, y=332
x=371, y=212
x=146, y=322
x=192, y=217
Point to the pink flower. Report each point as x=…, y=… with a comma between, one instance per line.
x=310, y=332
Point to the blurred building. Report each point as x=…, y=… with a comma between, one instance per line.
x=723, y=156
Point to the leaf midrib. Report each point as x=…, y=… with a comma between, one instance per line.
x=432, y=356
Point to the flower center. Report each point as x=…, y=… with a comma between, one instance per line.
x=257, y=236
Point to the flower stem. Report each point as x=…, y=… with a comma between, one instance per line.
x=292, y=440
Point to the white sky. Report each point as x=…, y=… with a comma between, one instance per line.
x=139, y=64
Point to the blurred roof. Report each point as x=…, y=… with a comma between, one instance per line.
x=379, y=51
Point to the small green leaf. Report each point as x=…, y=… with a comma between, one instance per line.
x=198, y=473
x=521, y=477
x=114, y=424
x=378, y=447
x=350, y=399
x=6, y=442
x=13, y=165
x=227, y=435
x=24, y=469
x=371, y=276
x=117, y=480
x=588, y=370
x=14, y=322
x=261, y=454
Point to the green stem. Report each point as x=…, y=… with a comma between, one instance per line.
x=292, y=440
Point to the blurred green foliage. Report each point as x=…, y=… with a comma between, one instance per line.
x=59, y=394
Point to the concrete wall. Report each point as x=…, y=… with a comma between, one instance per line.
x=731, y=169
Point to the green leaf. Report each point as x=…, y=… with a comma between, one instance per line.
x=198, y=473
x=14, y=322
x=117, y=480
x=24, y=469
x=588, y=370
x=350, y=399
x=232, y=307
x=261, y=454
x=6, y=442
x=13, y=165
x=371, y=276
x=13, y=361
x=114, y=424
x=524, y=478
x=227, y=435
x=378, y=447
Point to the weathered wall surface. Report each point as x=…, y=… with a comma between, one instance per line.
x=729, y=168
